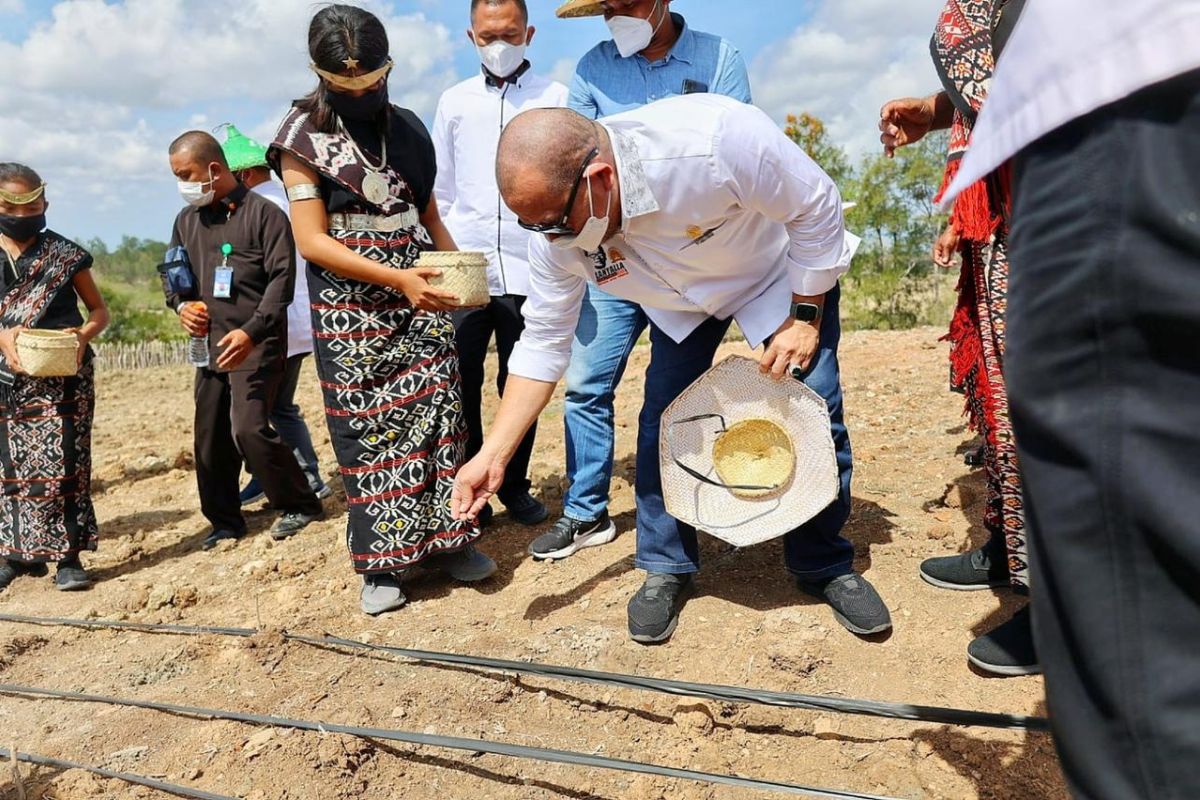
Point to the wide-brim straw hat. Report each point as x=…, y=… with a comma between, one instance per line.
x=580, y=8
x=744, y=457
x=464, y=274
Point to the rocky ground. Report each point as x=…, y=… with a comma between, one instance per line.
x=913, y=498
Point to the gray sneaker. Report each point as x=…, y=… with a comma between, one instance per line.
x=292, y=523
x=381, y=593
x=467, y=565
x=654, y=610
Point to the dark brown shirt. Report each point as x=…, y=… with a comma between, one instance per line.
x=264, y=269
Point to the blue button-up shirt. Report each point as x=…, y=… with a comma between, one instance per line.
x=607, y=84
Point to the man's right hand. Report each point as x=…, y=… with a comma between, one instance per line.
x=904, y=121
x=474, y=485
x=193, y=315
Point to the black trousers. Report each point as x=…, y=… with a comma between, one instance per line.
x=474, y=329
x=1104, y=384
x=232, y=413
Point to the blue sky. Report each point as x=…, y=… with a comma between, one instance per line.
x=102, y=86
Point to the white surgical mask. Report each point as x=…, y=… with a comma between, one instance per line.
x=632, y=35
x=592, y=236
x=501, y=58
x=194, y=193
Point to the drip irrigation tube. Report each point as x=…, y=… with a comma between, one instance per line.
x=453, y=743
x=731, y=694
x=128, y=777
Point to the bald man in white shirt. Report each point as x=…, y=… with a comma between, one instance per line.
x=699, y=209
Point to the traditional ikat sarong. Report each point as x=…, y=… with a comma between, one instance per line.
x=389, y=375
x=46, y=511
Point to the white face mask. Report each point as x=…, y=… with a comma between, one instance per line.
x=194, y=193
x=632, y=35
x=501, y=58
x=592, y=236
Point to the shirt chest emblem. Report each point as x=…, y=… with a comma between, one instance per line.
x=699, y=235
x=610, y=267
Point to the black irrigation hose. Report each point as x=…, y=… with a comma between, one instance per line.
x=732, y=694
x=128, y=777
x=453, y=743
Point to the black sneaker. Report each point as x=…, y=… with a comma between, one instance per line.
x=525, y=509
x=217, y=536
x=1008, y=649
x=252, y=493
x=292, y=523
x=485, y=516
x=11, y=570
x=654, y=610
x=984, y=568
x=71, y=576
x=855, y=603
x=569, y=535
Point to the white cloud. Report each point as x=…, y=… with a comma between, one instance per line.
x=563, y=70
x=846, y=62
x=104, y=87
x=12, y=7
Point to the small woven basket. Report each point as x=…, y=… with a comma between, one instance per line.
x=48, y=354
x=463, y=273
x=754, y=452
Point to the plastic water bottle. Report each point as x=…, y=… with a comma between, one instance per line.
x=198, y=351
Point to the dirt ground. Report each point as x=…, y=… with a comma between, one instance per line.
x=913, y=498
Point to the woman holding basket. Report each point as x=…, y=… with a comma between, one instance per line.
x=359, y=174
x=46, y=511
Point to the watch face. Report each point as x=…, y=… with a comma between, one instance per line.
x=805, y=312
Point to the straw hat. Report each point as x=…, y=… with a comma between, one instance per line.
x=744, y=457
x=580, y=8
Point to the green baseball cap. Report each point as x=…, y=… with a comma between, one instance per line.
x=241, y=151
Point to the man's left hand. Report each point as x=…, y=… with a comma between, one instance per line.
x=234, y=347
x=794, y=344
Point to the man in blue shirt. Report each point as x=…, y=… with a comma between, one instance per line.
x=653, y=54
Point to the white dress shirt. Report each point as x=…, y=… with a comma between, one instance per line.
x=1068, y=58
x=299, y=316
x=466, y=133
x=722, y=216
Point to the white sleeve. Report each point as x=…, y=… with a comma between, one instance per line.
x=551, y=311
x=771, y=175
x=443, y=148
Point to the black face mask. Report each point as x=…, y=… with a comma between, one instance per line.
x=22, y=229
x=360, y=109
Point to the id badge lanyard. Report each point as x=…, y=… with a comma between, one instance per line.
x=223, y=276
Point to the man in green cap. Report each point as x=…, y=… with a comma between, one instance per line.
x=248, y=163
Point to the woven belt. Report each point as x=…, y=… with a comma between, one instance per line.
x=373, y=222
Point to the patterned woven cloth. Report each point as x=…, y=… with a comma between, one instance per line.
x=964, y=55
x=389, y=375
x=46, y=511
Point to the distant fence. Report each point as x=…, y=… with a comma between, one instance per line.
x=144, y=355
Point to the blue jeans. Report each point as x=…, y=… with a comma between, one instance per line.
x=815, y=550
x=607, y=331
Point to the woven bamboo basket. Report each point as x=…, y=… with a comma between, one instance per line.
x=48, y=354
x=463, y=273
x=754, y=452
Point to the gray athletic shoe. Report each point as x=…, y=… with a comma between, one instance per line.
x=381, y=593
x=292, y=523
x=467, y=565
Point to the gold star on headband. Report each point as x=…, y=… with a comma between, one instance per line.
x=351, y=63
x=23, y=199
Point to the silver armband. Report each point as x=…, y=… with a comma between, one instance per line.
x=304, y=191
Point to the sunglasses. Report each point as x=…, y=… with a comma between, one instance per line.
x=561, y=228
